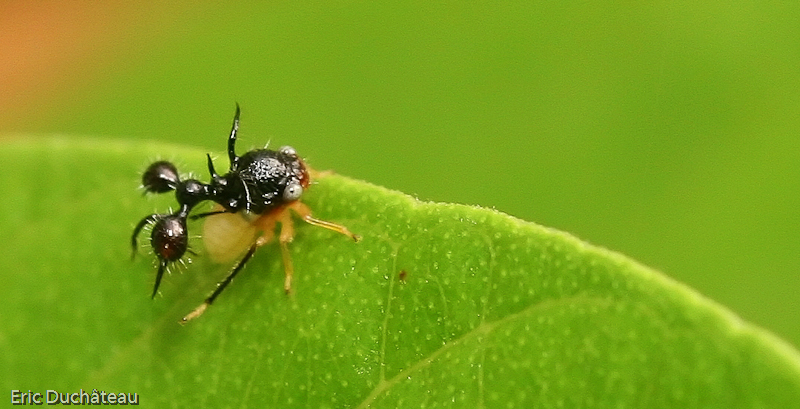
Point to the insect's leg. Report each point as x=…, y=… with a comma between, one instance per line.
x=162, y=265
x=145, y=221
x=286, y=236
x=314, y=174
x=221, y=286
x=232, y=139
x=304, y=212
x=211, y=170
x=288, y=269
x=266, y=223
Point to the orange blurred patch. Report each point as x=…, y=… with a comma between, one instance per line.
x=46, y=49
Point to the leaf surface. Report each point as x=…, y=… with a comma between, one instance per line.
x=439, y=305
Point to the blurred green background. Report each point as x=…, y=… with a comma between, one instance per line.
x=669, y=131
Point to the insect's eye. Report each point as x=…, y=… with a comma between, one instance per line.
x=289, y=151
x=160, y=177
x=292, y=192
x=170, y=238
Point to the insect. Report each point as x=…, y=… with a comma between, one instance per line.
x=262, y=188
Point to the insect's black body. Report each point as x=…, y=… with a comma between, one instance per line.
x=263, y=184
x=258, y=182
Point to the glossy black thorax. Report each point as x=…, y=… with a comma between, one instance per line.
x=258, y=180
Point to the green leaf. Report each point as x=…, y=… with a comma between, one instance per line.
x=438, y=305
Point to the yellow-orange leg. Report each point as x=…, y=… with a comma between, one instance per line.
x=315, y=174
x=303, y=211
x=287, y=234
